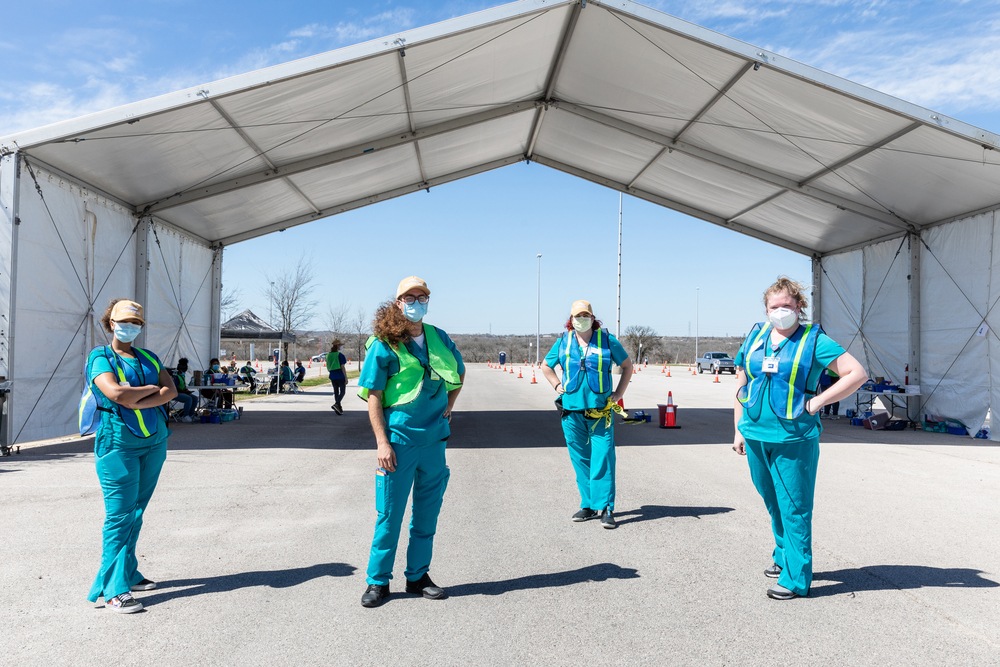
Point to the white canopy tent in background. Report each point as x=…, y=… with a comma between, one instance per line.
x=612, y=92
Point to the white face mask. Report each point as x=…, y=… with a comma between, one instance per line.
x=783, y=318
x=583, y=324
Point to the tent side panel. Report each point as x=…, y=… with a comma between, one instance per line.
x=8, y=214
x=75, y=251
x=841, y=288
x=956, y=285
x=179, y=309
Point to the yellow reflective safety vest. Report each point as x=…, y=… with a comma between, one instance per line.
x=404, y=386
x=145, y=422
x=593, y=363
x=788, y=391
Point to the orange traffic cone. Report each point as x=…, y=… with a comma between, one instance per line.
x=668, y=372
x=693, y=371
x=668, y=413
x=533, y=380
x=519, y=376
x=664, y=369
x=716, y=380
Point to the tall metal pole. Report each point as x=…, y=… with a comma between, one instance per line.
x=697, y=293
x=538, y=310
x=618, y=302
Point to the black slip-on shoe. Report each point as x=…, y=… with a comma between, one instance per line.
x=773, y=572
x=425, y=587
x=608, y=519
x=144, y=585
x=375, y=595
x=584, y=515
x=778, y=592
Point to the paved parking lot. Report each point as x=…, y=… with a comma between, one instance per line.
x=259, y=532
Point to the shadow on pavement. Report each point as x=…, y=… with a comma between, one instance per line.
x=599, y=572
x=897, y=577
x=652, y=512
x=232, y=582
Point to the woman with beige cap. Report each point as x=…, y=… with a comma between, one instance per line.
x=130, y=446
x=586, y=353
x=411, y=377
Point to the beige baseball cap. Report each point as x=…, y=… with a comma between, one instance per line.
x=406, y=284
x=580, y=306
x=127, y=310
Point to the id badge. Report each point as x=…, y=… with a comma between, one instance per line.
x=770, y=365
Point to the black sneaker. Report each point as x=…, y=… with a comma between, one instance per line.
x=425, y=587
x=123, y=604
x=374, y=595
x=338, y=409
x=773, y=572
x=608, y=519
x=144, y=585
x=584, y=515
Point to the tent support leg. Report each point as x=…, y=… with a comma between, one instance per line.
x=817, y=289
x=215, y=333
x=913, y=280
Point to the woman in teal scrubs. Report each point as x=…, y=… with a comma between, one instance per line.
x=131, y=387
x=778, y=426
x=411, y=377
x=586, y=353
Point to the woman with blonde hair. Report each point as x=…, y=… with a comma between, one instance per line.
x=776, y=410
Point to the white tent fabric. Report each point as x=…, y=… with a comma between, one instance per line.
x=76, y=250
x=613, y=92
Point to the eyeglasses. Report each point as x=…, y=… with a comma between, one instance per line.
x=408, y=299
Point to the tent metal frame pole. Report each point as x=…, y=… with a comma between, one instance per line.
x=141, y=291
x=817, y=289
x=215, y=333
x=913, y=280
x=7, y=334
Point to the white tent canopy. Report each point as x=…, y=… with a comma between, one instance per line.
x=615, y=93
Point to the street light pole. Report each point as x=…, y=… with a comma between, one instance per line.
x=697, y=293
x=538, y=309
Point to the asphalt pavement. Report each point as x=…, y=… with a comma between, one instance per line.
x=259, y=530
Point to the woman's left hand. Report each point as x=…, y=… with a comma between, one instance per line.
x=809, y=403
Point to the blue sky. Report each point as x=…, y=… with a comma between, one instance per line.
x=476, y=241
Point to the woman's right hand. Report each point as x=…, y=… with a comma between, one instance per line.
x=386, y=456
x=739, y=445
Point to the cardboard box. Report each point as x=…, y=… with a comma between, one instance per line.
x=877, y=421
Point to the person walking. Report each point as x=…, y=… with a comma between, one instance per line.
x=336, y=366
x=130, y=445
x=586, y=353
x=411, y=377
x=777, y=426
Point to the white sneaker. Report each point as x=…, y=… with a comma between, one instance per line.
x=187, y=420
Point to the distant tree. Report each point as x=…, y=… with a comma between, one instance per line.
x=640, y=341
x=336, y=318
x=230, y=302
x=360, y=327
x=289, y=293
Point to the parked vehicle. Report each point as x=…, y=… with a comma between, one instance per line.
x=716, y=362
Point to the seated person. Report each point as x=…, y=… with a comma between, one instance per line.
x=222, y=398
x=246, y=374
x=285, y=375
x=300, y=371
x=185, y=396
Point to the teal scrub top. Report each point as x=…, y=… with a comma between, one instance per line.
x=111, y=425
x=771, y=428
x=421, y=421
x=584, y=397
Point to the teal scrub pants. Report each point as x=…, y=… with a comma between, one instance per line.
x=128, y=476
x=591, y=445
x=785, y=477
x=422, y=468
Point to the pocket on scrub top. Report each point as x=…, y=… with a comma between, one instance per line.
x=381, y=490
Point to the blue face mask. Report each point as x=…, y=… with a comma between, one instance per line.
x=127, y=332
x=215, y=367
x=415, y=311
